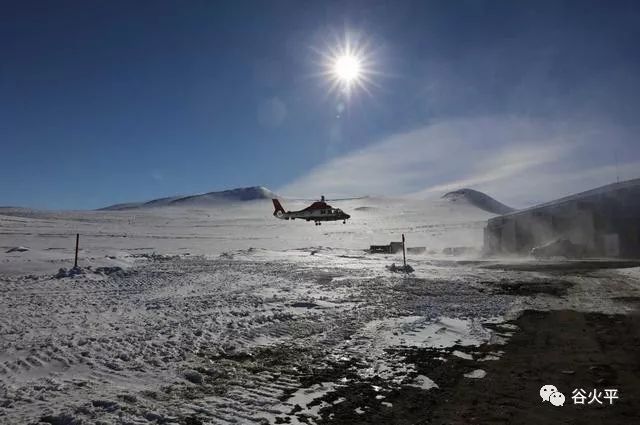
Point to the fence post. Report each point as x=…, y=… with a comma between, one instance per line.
x=404, y=255
x=75, y=264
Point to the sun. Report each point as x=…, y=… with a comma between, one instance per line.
x=347, y=64
x=347, y=68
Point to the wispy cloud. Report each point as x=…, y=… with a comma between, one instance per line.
x=517, y=160
x=506, y=164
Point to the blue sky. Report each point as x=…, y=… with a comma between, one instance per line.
x=111, y=101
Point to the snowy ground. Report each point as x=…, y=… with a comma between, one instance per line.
x=111, y=238
x=231, y=316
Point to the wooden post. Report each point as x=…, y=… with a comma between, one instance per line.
x=75, y=264
x=404, y=255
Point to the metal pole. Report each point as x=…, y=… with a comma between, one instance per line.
x=75, y=264
x=404, y=255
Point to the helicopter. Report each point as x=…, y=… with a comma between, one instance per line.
x=318, y=212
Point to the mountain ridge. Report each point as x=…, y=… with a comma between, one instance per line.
x=478, y=199
x=241, y=194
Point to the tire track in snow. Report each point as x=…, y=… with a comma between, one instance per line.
x=126, y=331
x=223, y=340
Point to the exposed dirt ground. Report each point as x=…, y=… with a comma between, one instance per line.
x=568, y=349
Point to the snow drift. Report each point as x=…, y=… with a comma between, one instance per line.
x=479, y=200
x=202, y=200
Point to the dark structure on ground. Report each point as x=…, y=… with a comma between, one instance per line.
x=392, y=248
x=395, y=247
x=605, y=222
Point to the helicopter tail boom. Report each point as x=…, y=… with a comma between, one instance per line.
x=278, y=208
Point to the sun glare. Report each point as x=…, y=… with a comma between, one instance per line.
x=348, y=64
x=347, y=68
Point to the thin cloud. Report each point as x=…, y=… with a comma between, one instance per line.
x=515, y=159
x=506, y=165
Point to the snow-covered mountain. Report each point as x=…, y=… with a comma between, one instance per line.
x=479, y=200
x=202, y=200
